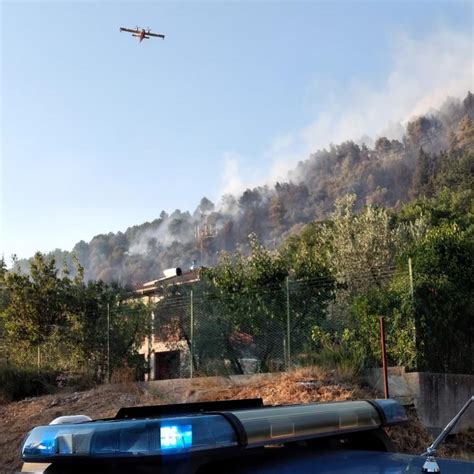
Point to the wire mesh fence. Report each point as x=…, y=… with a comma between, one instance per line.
x=95, y=345
x=195, y=330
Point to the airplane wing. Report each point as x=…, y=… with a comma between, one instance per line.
x=154, y=34
x=129, y=30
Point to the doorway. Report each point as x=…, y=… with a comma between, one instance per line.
x=166, y=365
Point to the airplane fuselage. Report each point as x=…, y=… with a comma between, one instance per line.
x=141, y=33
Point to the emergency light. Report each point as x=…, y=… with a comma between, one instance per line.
x=205, y=430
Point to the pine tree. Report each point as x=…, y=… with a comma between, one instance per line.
x=465, y=134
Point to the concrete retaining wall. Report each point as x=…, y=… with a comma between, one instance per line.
x=437, y=397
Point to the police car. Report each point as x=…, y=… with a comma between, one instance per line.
x=236, y=436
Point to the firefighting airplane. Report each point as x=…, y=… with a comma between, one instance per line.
x=141, y=33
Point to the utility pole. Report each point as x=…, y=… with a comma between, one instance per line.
x=204, y=232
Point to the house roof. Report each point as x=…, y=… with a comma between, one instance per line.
x=186, y=278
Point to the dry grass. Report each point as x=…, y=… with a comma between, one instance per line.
x=412, y=438
x=300, y=386
x=460, y=445
x=17, y=418
x=124, y=380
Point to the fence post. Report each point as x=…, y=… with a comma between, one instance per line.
x=38, y=358
x=384, y=357
x=288, y=343
x=412, y=295
x=191, y=336
x=410, y=276
x=108, y=342
x=151, y=363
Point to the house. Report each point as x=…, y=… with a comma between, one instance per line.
x=167, y=354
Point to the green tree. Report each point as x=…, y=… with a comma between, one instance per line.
x=465, y=135
x=250, y=297
x=277, y=216
x=361, y=252
x=66, y=319
x=425, y=171
x=38, y=304
x=360, y=248
x=444, y=299
x=394, y=303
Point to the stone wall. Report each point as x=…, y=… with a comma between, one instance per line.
x=437, y=397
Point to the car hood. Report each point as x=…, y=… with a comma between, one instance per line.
x=355, y=462
x=329, y=462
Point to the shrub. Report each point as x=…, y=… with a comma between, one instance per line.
x=18, y=383
x=123, y=375
x=80, y=381
x=339, y=351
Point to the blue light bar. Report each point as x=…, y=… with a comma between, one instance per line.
x=281, y=424
x=176, y=437
x=392, y=412
x=242, y=428
x=150, y=437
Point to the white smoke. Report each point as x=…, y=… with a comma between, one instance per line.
x=232, y=181
x=141, y=242
x=423, y=73
x=160, y=235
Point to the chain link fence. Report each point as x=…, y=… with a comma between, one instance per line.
x=195, y=331
x=91, y=352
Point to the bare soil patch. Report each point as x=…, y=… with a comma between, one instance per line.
x=301, y=386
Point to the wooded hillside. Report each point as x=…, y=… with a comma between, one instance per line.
x=435, y=147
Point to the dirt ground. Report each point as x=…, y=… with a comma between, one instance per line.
x=303, y=386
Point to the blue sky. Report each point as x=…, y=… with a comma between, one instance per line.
x=100, y=132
